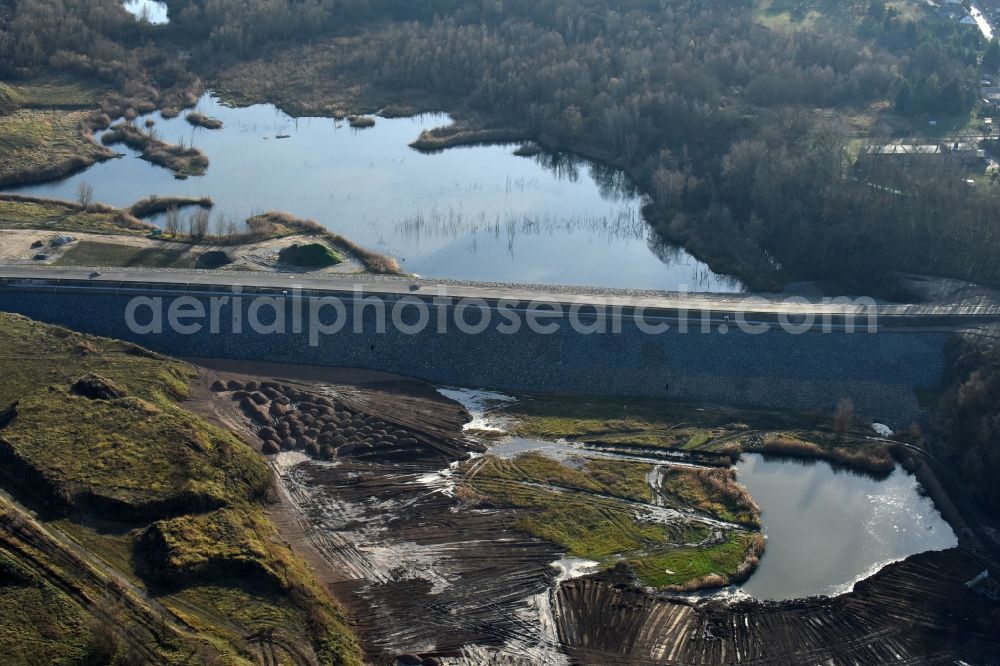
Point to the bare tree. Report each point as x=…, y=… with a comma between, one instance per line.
x=198, y=224
x=843, y=419
x=85, y=194
x=226, y=228
x=172, y=225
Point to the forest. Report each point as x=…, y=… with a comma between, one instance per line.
x=969, y=417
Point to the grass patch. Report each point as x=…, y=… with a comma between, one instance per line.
x=601, y=530
x=204, y=605
x=712, y=566
x=712, y=491
x=10, y=99
x=37, y=355
x=137, y=455
x=177, y=501
x=96, y=253
x=210, y=546
x=587, y=507
x=311, y=255
x=607, y=477
x=40, y=145
x=675, y=425
x=134, y=457
x=833, y=15
x=41, y=624
x=64, y=94
x=25, y=213
x=110, y=541
x=639, y=421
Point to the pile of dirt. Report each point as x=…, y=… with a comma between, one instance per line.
x=287, y=418
x=96, y=387
x=310, y=255
x=915, y=612
x=8, y=415
x=213, y=259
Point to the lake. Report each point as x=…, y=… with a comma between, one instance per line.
x=828, y=528
x=472, y=213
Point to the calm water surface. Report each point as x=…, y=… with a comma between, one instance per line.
x=477, y=213
x=828, y=529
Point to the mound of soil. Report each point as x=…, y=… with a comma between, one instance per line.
x=312, y=255
x=96, y=387
x=8, y=415
x=213, y=260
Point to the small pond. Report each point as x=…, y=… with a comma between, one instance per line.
x=829, y=528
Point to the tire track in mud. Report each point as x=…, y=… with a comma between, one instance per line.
x=913, y=612
x=419, y=575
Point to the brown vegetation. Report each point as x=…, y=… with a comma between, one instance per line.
x=453, y=136
x=23, y=198
x=155, y=205
x=28, y=212
x=43, y=145
x=875, y=458
x=373, y=261
x=361, y=122
x=183, y=161
x=201, y=120
x=722, y=483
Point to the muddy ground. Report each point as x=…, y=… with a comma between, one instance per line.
x=422, y=572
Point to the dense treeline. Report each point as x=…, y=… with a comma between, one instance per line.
x=88, y=37
x=970, y=418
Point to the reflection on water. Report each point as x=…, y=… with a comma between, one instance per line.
x=149, y=11
x=477, y=213
x=828, y=529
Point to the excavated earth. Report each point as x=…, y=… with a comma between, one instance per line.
x=913, y=612
x=366, y=463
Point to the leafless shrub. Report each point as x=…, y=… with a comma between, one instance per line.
x=722, y=482
x=843, y=418
x=155, y=204
x=783, y=445
x=85, y=195
x=172, y=223
x=198, y=224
